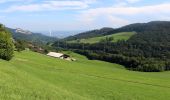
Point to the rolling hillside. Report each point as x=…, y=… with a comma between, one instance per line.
x=32, y=76
x=89, y=34
x=136, y=27
x=30, y=36
x=116, y=37
x=147, y=51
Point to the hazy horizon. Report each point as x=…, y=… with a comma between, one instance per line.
x=60, y=34
x=69, y=15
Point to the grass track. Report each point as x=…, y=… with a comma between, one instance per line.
x=32, y=76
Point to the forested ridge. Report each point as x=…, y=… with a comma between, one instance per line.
x=136, y=27
x=89, y=34
x=148, y=50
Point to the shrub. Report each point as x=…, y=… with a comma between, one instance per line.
x=6, y=44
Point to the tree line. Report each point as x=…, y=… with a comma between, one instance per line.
x=147, y=51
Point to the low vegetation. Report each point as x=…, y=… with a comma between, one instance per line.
x=33, y=76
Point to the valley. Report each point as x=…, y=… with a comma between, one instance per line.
x=84, y=50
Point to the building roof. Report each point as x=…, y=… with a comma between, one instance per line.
x=54, y=54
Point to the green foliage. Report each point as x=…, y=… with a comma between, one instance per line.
x=89, y=34
x=148, y=50
x=131, y=63
x=32, y=76
x=20, y=45
x=113, y=38
x=6, y=44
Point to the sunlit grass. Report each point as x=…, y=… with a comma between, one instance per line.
x=116, y=37
x=32, y=76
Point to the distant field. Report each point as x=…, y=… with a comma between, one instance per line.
x=116, y=37
x=32, y=76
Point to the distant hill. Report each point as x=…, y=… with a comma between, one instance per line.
x=116, y=37
x=30, y=36
x=62, y=34
x=19, y=30
x=148, y=50
x=137, y=27
x=90, y=34
x=142, y=27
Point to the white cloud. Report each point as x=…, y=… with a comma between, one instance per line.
x=51, y=5
x=2, y=16
x=6, y=1
x=128, y=1
x=118, y=16
x=132, y=1
x=125, y=10
x=164, y=17
x=119, y=21
x=114, y=16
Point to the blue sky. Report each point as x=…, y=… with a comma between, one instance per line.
x=69, y=15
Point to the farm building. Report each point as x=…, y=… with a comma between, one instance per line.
x=60, y=56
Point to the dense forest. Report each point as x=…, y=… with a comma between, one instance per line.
x=148, y=50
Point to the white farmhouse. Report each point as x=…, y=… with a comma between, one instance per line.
x=60, y=56
x=54, y=54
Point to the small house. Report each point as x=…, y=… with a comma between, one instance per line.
x=60, y=56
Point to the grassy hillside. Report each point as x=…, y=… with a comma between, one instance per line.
x=117, y=36
x=32, y=76
x=90, y=34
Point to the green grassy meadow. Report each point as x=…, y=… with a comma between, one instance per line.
x=117, y=36
x=33, y=76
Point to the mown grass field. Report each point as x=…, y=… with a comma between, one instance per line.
x=116, y=37
x=32, y=76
